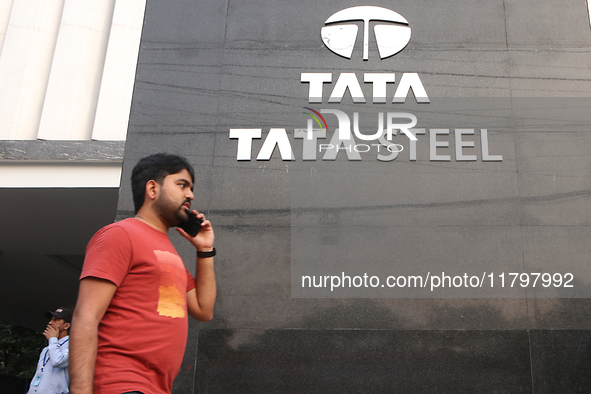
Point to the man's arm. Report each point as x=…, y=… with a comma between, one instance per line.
x=94, y=297
x=58, y=355
x=201, y=300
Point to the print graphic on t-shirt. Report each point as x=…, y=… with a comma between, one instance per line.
x=172, y=288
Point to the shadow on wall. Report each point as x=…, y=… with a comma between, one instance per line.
x=325, y=359
x=379, y=355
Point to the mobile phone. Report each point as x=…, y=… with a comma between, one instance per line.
x=192, y=225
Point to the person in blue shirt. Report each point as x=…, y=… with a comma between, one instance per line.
x=52, y=375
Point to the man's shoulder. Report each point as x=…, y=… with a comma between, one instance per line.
x=127, y=230
x=125, y=225
x=114, y=232
x=110, y=247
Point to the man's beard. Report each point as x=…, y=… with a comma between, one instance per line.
x=169, y=212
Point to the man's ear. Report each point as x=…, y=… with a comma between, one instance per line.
x=67, y=326
x=151, y=189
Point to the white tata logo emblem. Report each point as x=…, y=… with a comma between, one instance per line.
x=391, y=38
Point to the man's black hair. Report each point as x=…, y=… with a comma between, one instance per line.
x=155, y=167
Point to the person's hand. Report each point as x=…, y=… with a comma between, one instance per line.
x=203, y=241
x=50, y=331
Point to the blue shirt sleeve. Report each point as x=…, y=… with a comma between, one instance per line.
x=59, y=354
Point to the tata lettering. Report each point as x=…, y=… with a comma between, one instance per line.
x=440, y=146
x=378, y=81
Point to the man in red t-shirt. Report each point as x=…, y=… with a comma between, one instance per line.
x=130, y=324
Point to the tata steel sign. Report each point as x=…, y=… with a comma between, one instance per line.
x=339, y=34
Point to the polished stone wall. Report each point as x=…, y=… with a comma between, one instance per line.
x=210, y=66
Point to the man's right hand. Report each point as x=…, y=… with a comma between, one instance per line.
x=50, y=332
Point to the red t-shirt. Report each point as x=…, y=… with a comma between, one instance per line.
x=143, y=335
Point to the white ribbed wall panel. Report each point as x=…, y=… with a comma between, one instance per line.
x=25, y=62
x=74, y=81
x=5, y=7
x=114, y=102
x=59, y=60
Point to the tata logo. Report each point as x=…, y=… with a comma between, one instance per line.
x=392, y=33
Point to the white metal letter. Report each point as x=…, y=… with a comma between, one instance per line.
x=379, y=82
x=309, y=145
x=461, y=144
x=316, y=81
x=434, y=144
x=484, y=146
x=276, y=137
x=245, y=137
x=413, y=144
x=407, y=82
x=347, y=80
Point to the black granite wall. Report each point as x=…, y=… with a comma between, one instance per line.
x=210, y=66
